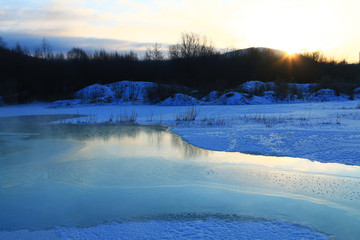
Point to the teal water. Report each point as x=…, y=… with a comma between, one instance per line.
x=81, y=175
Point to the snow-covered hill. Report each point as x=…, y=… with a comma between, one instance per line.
x=251, y=92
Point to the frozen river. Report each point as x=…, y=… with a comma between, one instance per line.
x=84, y=175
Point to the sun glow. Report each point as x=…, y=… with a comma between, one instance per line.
x=291, y=51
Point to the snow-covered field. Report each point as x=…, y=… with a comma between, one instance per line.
x=327, y=132
x=323, y=131
x=209, y=228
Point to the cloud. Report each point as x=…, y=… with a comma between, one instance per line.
x=64, y=44
x=270, y=23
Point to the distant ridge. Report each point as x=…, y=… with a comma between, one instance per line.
x=262, y=50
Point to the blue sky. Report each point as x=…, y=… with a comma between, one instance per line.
x=296, y=25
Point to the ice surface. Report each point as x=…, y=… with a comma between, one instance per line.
x=325, y=131
x=88, y=174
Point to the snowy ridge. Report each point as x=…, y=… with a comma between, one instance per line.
x=252, y=92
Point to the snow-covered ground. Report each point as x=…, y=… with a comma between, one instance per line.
x=319, y=131
x=322, y=131
x=209, y=228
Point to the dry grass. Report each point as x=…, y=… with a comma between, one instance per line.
x=189, y=114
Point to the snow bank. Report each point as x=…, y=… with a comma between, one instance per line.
x=180, y=99
x=233, y=98
x=268, y=97
x=251, y=92
x=128, y=91
x=95, y=93
x=123, y=91
x=327, y=95
x=252, y=86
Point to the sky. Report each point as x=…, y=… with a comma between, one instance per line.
x=331, y=26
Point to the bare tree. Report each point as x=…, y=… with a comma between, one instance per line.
x=192, y=45
x=174, y=51
x=317, y=56
x=45, y=50
x=154, y=53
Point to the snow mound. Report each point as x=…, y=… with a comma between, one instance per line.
x=128, y=91
x=95, y=93
x=356, y=93
x=233, y=98
x=211, y=97
x=251, y=86
x=123, y=91
x=327, y=95
x=180, y=99
x=268, y=97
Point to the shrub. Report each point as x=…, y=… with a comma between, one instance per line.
x=189, y=115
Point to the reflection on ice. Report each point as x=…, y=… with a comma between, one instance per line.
x=53, y=175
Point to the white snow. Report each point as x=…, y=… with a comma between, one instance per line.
x=123, y=92
x=127, y=91
x=252, y=86
x=209, y=228
x=96, y=93
x=326, y=130
x=252, y=92
x=319, y=131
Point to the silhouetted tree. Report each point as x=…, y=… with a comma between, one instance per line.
x=191, y=45
x=154, y=53
x=77, y=54
x=45, y=50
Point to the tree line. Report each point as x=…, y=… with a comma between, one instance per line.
x=193, y=62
